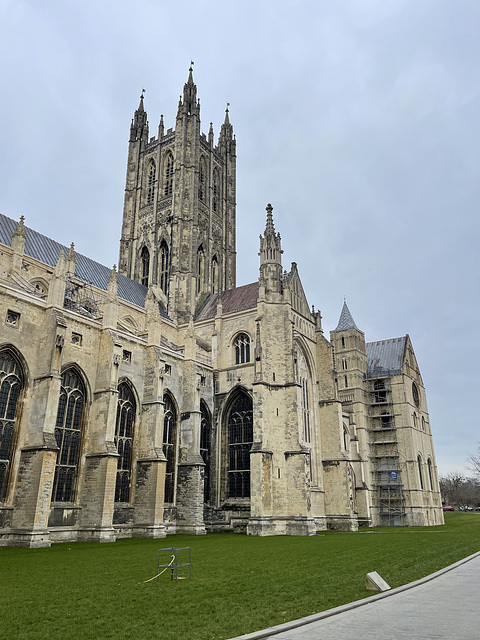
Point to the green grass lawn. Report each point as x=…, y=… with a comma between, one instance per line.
x=239, y=583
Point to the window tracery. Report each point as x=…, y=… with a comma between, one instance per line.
x=168, y=182
x=170, y=446
x=11, y=384
x=124, y=432
x=240, y=440
x=151, y=182
x=242, y=349
x=68, y=432
x=164, y=267
x=205, y=434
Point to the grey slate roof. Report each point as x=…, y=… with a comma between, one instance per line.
x=346, y=321
x=47, y=251
x=233, y=300
x=385, y=357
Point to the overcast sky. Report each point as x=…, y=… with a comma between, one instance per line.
x=359, y=120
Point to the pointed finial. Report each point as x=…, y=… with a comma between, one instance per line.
x=20, y=228
x=140, y=106
x=114, y=268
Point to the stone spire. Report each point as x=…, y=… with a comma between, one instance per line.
x=139, y=126
x=346, y=321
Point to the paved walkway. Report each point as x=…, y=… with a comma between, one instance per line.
x=443, y=606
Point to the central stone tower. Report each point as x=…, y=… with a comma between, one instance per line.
x=178, y=232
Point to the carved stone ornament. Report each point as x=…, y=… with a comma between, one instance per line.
x=116, y=359
x=59, y=341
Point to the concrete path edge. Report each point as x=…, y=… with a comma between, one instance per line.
x=300, y=622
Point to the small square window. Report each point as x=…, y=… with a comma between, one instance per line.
x=168, y=369
x=12, y=319
x=77, y=339
x=126, y=356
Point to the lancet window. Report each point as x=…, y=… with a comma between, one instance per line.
x=168, y=181
x=202, y=180
x=151, y=182
x=200, y=269
x=145, y=266
x=124, y=432
x=216, y=191
x=214, y=274
x=164, y=267
x=170, y=446
x=68, y=435
x=11, y=384
x=240, y=440
x=205, y=443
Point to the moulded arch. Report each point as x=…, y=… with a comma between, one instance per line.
x=129, y=383
x=80, y=372
x=300, y=342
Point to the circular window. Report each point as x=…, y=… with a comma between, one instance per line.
x=416, y=395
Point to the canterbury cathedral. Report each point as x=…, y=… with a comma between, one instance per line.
x=161, y=397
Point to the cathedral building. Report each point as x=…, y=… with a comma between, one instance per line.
x=163, y=398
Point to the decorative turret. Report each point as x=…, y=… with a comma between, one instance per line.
x=226, y=139
x=18, y=245
x=139, y=126
x=270, y=257
x=189, y=104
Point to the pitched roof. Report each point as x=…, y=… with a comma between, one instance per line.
x=385, y=357
x=346, y=321
x=233, y=300
x=47, y=251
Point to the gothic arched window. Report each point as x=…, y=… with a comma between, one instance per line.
x=145, y=266
x=214, y=274
x=420, y=476
x=216, y=190
x=200, y=269
x=164, y=267
x=124, y=430
x=303, y=379
x=168, y=181
x=240, y=440
x=68, y=433
x=202, y=180
x=151, y=171
x=11, y=384
x=205, y=434
x=430, y=476
x=242, y=349
x=169, y=446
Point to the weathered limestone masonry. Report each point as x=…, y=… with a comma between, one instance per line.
x=165, y=399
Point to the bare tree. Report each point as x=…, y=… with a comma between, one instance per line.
x=457, y=490
x=474, y=460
